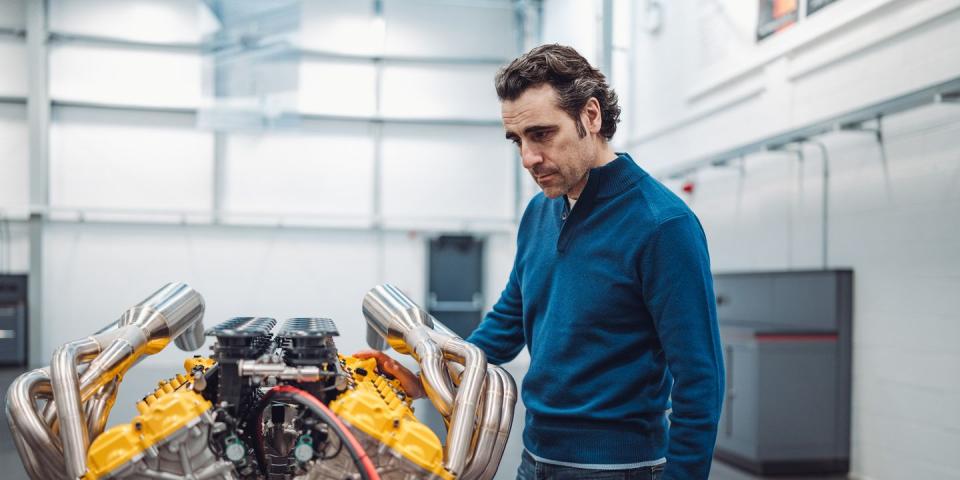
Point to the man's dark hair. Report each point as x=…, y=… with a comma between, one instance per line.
x=571, y=75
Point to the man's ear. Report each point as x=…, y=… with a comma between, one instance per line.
x=591, y=116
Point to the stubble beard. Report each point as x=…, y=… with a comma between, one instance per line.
x=567, y=181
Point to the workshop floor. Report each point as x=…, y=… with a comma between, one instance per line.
x=721, y=471
x=9, y=461
x=12, y=469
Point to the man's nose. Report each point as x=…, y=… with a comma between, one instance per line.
x=529, y=157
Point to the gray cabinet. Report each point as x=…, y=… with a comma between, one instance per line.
x=13, y=319
x=787, y=340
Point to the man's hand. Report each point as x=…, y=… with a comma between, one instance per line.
x=410, y=382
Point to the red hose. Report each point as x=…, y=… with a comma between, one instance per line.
x=371, y=470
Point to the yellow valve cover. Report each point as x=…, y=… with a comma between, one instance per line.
x=160, y=418
x=205, y=363
x=165, y=411
x=372, y=406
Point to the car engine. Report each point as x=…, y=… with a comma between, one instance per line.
x=275, y=400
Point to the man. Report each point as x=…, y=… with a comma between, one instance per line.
x=611, y=292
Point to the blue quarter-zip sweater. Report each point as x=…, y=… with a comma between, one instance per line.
x=614, y=300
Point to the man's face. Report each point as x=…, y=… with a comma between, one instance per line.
x=552, y=151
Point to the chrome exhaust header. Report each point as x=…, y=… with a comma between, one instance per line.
x=53, y=439
x=483, y=392
x=55, y=413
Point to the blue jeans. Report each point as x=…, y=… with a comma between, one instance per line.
x=530, y=469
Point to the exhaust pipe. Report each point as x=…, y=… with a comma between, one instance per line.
x=445, y=360
x=174, y=312
x=54, y=413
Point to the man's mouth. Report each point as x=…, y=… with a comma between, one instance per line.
x=541, y=178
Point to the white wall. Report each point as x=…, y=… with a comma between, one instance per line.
x=418, y=28
x=449, y=30
x=14, y=154
x=897, y=229
x=450, y=91
x=12, y=14
x=337, y=87
x=703, y=85
x=102, y=159
x=18, y=253
x=14, y=175
x=342, y=27
x=477, y=166
x=691, y=101
x=160, y=21
x=13, y=63
x=321, y=169
x=575, y=23
x=120, y=75
x=14, y=188
x=14, y=184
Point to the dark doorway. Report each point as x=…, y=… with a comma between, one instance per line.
x=455, y=285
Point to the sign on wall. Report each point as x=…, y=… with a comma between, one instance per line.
x=775, y=16
x=814, y=5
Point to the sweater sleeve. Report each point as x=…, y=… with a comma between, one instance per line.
x=500, y=334
x=678, y=290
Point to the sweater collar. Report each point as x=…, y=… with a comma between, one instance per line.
x=612, y=179
x=603, y=182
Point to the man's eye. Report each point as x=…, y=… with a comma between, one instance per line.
x=541, y=136
x=516, y=141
